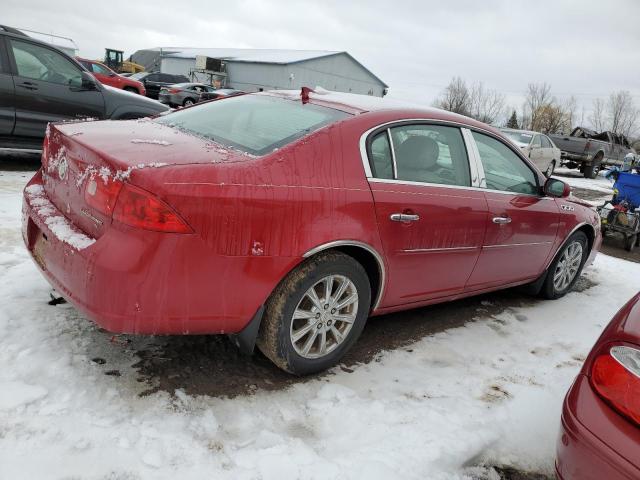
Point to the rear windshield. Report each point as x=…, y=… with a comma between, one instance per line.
x=518, y=137
x=256, y=124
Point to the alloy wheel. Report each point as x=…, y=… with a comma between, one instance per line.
x=568, y=266
x=324, y=316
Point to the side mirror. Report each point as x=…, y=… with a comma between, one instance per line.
x=88, y=82
x=556, y=188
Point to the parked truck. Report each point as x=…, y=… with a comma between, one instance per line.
x=589, y=150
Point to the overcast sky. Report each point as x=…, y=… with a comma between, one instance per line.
x=585, y=48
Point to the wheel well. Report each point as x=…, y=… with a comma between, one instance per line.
x=370, y=264
x=590, y=233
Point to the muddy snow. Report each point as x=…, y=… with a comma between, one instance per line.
x=483, y=388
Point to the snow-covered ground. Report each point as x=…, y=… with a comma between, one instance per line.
x=488, y=392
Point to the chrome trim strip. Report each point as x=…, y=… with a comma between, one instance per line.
x=517, y=244
x=458, y=187
x=19, y=150
x=355, y=243
x=443, y=249
x=393, y=154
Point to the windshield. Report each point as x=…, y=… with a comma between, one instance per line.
x=519, y=137
x=255, y=124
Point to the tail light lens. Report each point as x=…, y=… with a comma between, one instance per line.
x=101, y=194
x=616, y=377
x=138, y=208
x=174, y=90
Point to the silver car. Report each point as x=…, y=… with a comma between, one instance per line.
x=537, y=146
x=183, y=94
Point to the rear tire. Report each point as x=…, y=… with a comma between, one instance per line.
x=322, y=329
x=550, y=169
x=566, y=267
x=591, y=171
x=630, y=242
x=188, y=102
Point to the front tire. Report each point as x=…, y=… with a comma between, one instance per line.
x=188, y=102
x=316, y=314
x=566, y=267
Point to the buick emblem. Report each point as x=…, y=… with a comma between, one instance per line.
x=62, y=169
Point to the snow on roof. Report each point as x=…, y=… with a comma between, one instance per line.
x=255, y=55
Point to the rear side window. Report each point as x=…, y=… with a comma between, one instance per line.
x=380, y=155
x=503, y=169
x=255, y=124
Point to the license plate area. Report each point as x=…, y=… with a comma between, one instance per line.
x=39, y=249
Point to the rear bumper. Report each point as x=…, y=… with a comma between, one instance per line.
x=581, y=454
x=138, y=281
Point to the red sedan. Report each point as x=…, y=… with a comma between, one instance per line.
x=106, y=76
x=288, y=219
x=600, y=432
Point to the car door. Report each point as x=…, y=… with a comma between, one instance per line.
x=547, y=153
x=431, y=221
x=153, y=83
x=536, y=152
x=106, y=76
x=522, y=223
x=48, y=89
x=7, y=93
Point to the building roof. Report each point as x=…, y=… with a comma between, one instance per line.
x=255, y=55
x=252, y=55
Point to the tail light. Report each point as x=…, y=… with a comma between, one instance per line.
x=138, y=208
x=101, y=194
x=616, y=377
x=174, y=90
x=587, y=145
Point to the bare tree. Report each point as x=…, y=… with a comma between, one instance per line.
x=455, y=97
x=622, y=113
x=476, y=101
x=485, y=105
x=597, y=117
x=550, y=118
x=570, y=107
x=538, y=95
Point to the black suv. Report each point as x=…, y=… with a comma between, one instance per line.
x=154, y=81
x=41, y=84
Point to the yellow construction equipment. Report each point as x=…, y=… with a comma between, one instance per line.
x=114, y=60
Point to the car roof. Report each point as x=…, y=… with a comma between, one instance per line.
x=190, y=84
x=517, y=130
x=14, y=31
x=360, y=104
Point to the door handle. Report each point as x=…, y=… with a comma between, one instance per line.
x=28, y=85
x=404, y=217
x=501, y=220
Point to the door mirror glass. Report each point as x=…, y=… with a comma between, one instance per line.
x=88, y=82
x=556, y=188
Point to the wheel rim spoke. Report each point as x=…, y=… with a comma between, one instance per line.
x=347, y=301
x=568, y=266
x=299, y=334
x=309, y=343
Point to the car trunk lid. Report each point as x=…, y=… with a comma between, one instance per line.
x=79, y=159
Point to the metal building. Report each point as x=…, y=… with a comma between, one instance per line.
x=255, y=69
